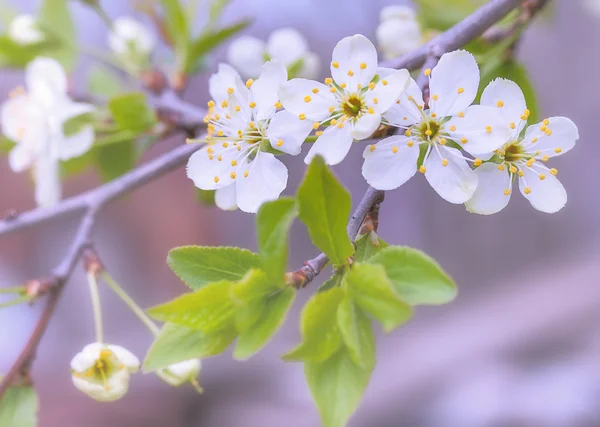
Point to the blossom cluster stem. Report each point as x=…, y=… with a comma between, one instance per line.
x=96, y=306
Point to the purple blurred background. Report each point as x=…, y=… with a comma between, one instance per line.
x=520, y=347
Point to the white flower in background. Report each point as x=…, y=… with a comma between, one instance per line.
x=476, y=129
x=24, y=30
x=242, y=124
x=399, y=31
x=102, y=371
x=522, y=155
x=129, y=36
x=592, y=6
x=180, y=373
x=34, y=119
x=351, y=104
x=287, y=45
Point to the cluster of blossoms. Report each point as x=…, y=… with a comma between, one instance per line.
x=287, y=45
x=399, y=31
x=249, y=125
x=131, y=42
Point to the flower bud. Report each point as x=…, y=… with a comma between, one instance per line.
x=401, y=12
x=129, y=36
x=180, y=373
x=399, y=32
x=102, y=371
x=287, y=45
x=311, y=66
x=24, y=30
x=247, y=55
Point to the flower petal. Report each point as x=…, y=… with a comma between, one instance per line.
x=46, y=80
x=20, y=158
x=559, y=136
x=287, y=45
x=480, y=130
x=221, y=84
x=333, y=145
x=75, y=145
x=455, y=182
x=490, y=196
x=46, y=175
x=365, y=125
x=454, y=81
x=267, y=178
x=508, y=98
x=265, y=89
x=127, y=358
x=22, y=119
x=86, y=358
x=354, y=61
x=247, y=55
x=210, y=173
x=311, y=65
x=390, y=163
x=547, y=195
x=405, y=112
x=226, y=198
x=116, y=387
x=385, y=93
x=308, y=97
x=180, y=373
x=287, y=132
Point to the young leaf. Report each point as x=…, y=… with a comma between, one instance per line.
x=273, y=223
x=324, y=206
x=416, y=277
x=209, y=309
x=18, y=407
x=338, y=384
x=55, y=19
x=177, y=26
x=321, y=337
x=371, y=290
x=102, y=82
x=114, y=160
x=131, y=112
x=367, y=246
x=177, y=343
x=199, y=265
x=356, y=329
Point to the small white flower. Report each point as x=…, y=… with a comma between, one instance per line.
x=522, y=155
x=34, y=119
x=180, y=373
x=242, y=122
x=102, y=371
x=399, y=31
x=351, y=104
x=476, y=129
x=129, y=36
x=287, y=45
x=24, y=30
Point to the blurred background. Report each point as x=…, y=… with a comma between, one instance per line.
x=520, y=346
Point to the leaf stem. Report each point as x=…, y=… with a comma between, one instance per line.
x=13, y=290
x=15, y=301
x=95, y=297
x=137, y=310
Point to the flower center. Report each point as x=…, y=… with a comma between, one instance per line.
x=353, y=106
x=514, y=152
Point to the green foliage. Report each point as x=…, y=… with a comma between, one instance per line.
x=114, y=160
x=367, y=246
x=12, y=54
x=177, y=23
x=453, y=12
x=206, y=197
x=18, y=407
x=56, y=21
x=356, y=329
x=415, y=277
x=324, y=206
x=132, y=112
x=102, y=82
x=198, y=266
x=273, y=223
x=177, y=343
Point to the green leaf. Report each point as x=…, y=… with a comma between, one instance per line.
x=209, y=309
x=454, y=11
x=367, y=246
x=199, y=265
x=273, y=313
x=102, y=82
x=114, y=160
x=55, y=19
x=321, y=337
x=131, y=112
x=216, y=10
x=206, y=197
x=13, y=54
x=371, y=290
x=324, y=206
x=356, y=329
x=273, y=223
x=177, y=23
x=337, y=385
x=18, y=407
x=209, y=40
x=177, y=343
x=76, y=124
x=416, y=277
x=6, y=144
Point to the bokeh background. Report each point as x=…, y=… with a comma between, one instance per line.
x=520, y=347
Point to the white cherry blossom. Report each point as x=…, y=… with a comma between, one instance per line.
x=180, y=373
x=102, y=371
x=449, y=122
x=350, y=104
x=129, y=36
x=34, y=119
x=243, y=126
x=24, y=30
x=399, y=31
x=287, y=45
x=522, y=156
